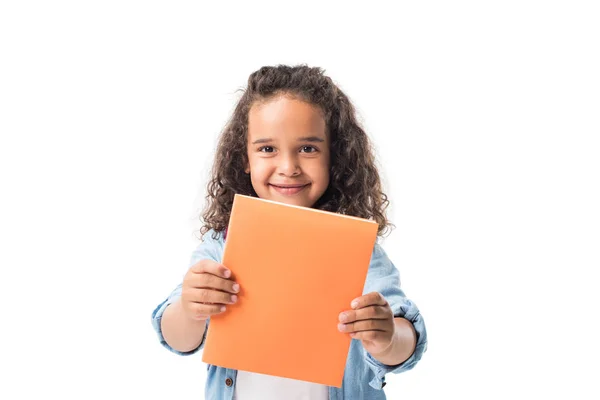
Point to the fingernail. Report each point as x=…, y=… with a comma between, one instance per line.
x=354, y=303
x=343, y=317
x=222, y=308
x=227, y=273
x=234, y=298
x=235, y=287
x=341, y=327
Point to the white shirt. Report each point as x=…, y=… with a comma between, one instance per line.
x=252, y=386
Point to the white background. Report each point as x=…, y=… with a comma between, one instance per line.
x=485, y=117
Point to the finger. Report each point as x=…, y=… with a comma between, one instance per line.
x=209, y=296
x=203, y=311
x=367, y=325
x=371, y=299
x=208, y=281
x=368, y=335
x=211, y=267
x=371, y=312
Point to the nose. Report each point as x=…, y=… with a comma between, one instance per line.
x=288, y=165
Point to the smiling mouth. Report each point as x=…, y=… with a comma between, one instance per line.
x=289, y=189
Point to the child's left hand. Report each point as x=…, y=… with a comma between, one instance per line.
x=371, y=321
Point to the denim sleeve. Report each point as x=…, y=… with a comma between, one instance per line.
x=384, y=277
x=211, y=249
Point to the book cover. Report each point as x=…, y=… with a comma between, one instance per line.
x=298, y=268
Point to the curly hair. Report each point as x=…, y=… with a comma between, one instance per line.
x=354, y=188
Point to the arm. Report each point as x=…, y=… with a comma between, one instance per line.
x=383, y=277
x=206, y=290
x=408, y=324
x=402, y=346
x=388, y=339
x=180, y=331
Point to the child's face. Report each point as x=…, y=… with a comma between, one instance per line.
x=288, y=151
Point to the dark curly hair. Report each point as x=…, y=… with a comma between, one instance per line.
x=354, y=187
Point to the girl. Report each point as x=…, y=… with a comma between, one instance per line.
x=294, y=138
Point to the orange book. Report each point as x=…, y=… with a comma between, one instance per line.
x=298, y=269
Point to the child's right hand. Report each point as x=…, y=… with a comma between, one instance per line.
x=207, y=289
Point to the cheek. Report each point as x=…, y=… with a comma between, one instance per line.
x=259, y=168
x=325, y=166
x=321, y=171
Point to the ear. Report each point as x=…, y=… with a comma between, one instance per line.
x=247, y=169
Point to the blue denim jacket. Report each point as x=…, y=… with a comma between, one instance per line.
x=364, y=376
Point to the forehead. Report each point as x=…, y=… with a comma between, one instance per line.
x=285, y=115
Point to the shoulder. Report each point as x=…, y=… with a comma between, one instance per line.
x=211, y=247
x=381, y=267
x=213, y=236
x=379, y=257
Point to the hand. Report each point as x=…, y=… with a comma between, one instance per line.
x=207, y=289
x=371, y=321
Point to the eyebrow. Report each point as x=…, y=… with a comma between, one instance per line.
x=312, y=139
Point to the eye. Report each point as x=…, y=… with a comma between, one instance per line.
x=266, y=149
x=309, y=149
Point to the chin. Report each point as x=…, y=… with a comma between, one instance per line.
x=291, y=200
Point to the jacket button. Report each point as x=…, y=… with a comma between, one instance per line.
x=229, y=382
